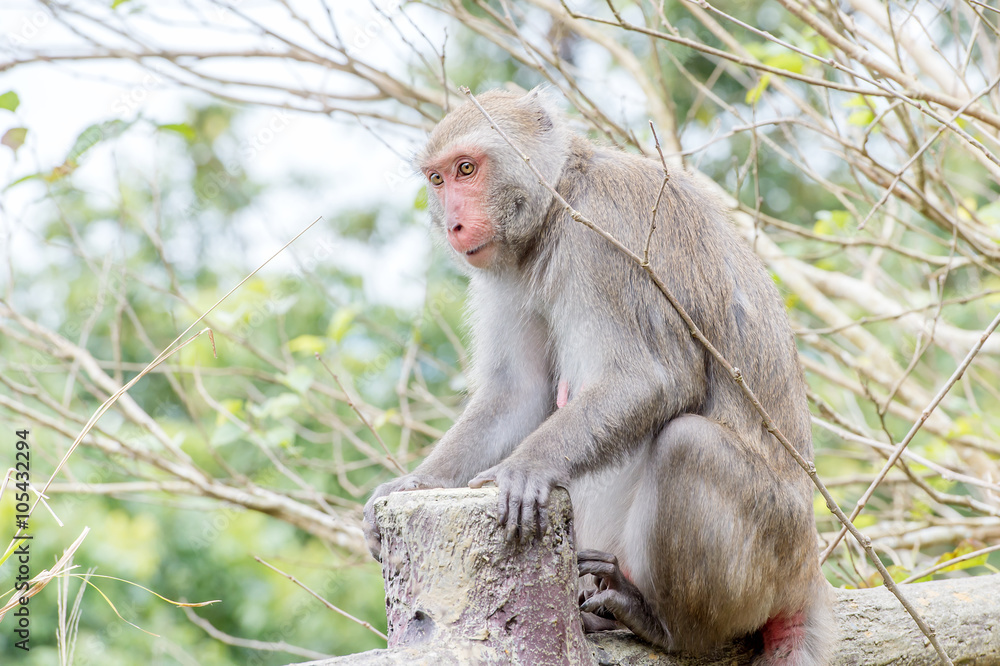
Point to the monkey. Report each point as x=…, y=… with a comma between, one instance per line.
x=695, y=523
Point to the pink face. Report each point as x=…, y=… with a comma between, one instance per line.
x=458, y=180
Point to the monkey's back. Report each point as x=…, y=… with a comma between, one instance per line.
x=710, y=269
x=764, y=497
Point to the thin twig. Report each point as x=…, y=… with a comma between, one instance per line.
x=659, y=195
x=323, y=601
x=354, y=406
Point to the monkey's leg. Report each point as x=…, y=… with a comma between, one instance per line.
x=715, y=543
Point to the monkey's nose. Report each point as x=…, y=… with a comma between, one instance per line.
x=455, y=228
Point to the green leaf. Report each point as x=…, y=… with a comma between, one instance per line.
x=896, y=572
x=299, y=379
x=754, y=94
x=383, y=418
x=861, y=117
x=183, y=129
x=828, y=221
x=817, y=44
x=311, y=344
x=227, y=433
x=116, y=3
x=14, y=138
x=10, y=101
x=94, y=135
x=280, y=436
x=963, y=549
x=965, y=425
x=420, y=202
x=30, y=176
x=791, y=62
x=823, y=226
x=10, y=550
x=341, y=323
x=857, y=101
x=232, y=405
x=279, y=406
x=865, y=520
x=990, y=213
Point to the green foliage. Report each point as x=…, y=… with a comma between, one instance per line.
x=201, y=552
x=14, y=138
x=863, y=114
x=10, y=101
x=191, y=548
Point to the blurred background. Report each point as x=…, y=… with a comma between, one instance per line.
x=156, y=154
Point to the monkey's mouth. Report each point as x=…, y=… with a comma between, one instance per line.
x=476, y=249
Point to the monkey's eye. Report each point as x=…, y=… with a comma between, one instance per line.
x=435, y=178
x=466, y=168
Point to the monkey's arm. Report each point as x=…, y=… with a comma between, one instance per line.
x=634, y=396
x=491, y=426
x=512, y=395
x=511, y=381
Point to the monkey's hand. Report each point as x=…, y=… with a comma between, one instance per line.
x=408, y=482
x=617, y=596
x=524, y=493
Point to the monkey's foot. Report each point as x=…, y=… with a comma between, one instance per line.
x=593, y=624
x=600, y=621
x=618, y=597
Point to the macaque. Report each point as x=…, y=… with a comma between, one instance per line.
x=694, y=525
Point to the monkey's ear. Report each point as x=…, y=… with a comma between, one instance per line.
x=539, y=92
x=538, y=101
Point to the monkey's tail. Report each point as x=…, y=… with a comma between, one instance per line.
x=803, y=638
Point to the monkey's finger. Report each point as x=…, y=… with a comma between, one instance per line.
x=597, y=556
x=538, y=515
x=502, y=506
x=482, y=479
x=513, y=529
x=598, y=604
x=373, y=538
x=597, y=568
x=514, y=521
x=539, y=501
x=528, y=519
x=375, y=548
x=542, y=509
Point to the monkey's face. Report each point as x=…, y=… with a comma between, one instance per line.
x=487, y=202
x=458, y=182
